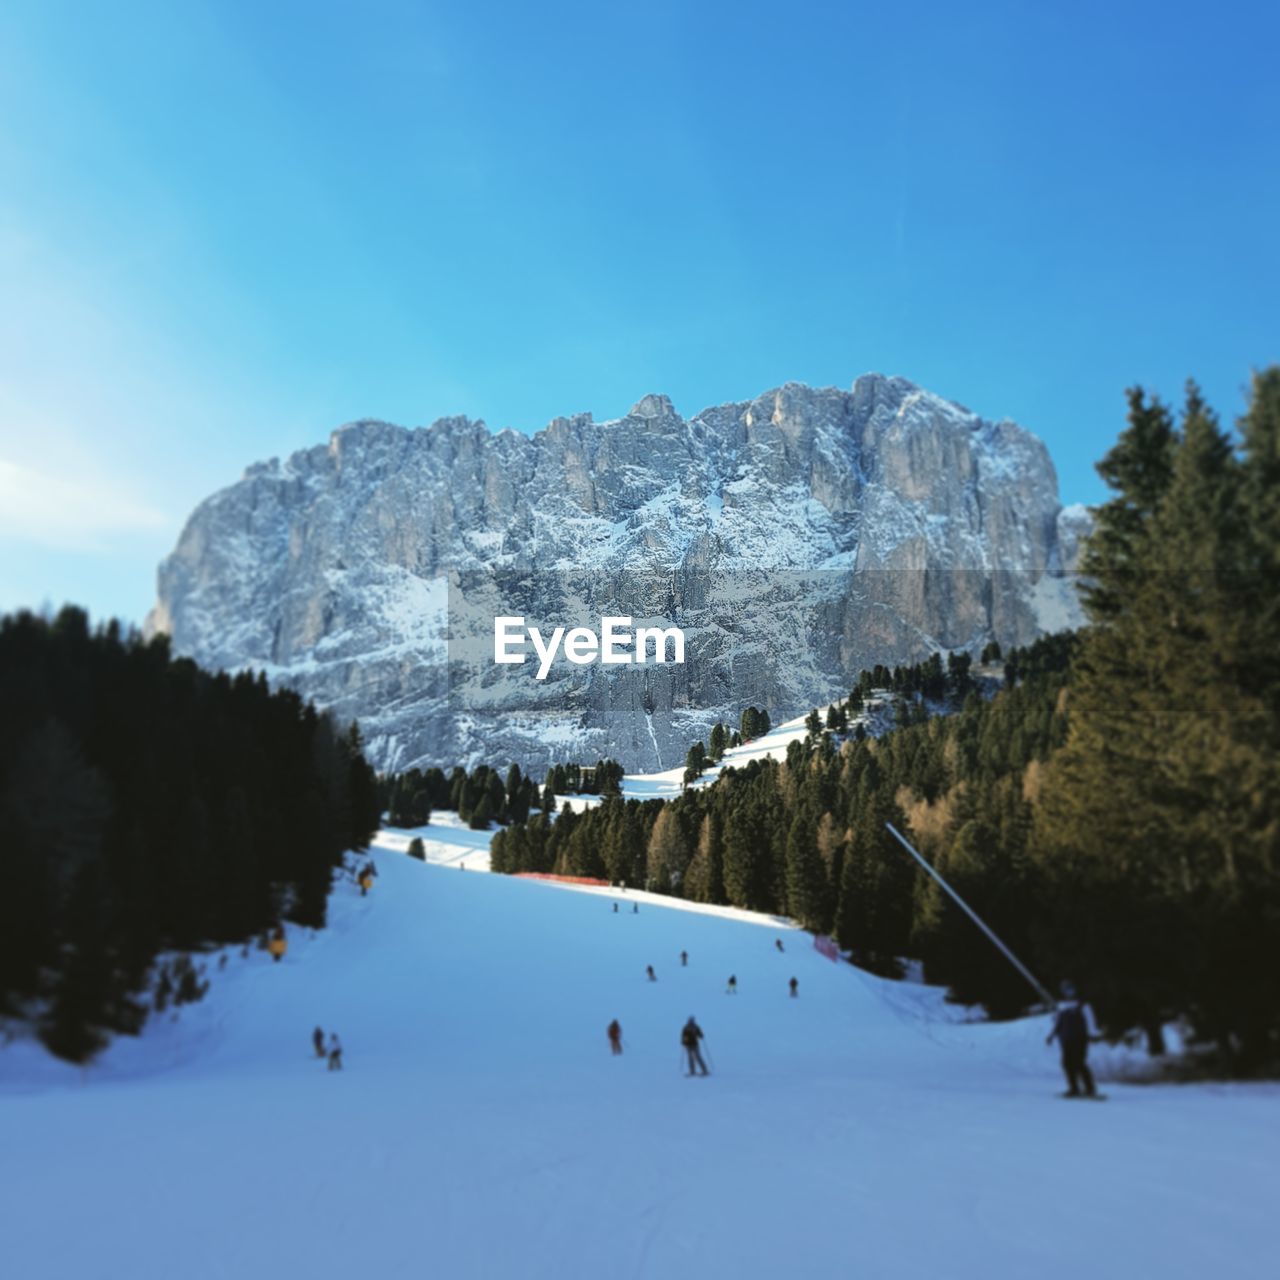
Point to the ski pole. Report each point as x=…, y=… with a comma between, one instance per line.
x=974, y=916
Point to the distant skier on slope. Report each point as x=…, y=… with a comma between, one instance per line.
x=653, y=977
x=690, y=1035
x=795, y=988
x=615, y=1037
x=684, y=959
x=335, y=1052
x=635, y=908
x=1071, y=1030
x=317, y=1041
x=615, y=908
x=732, y=988
x=777, y=942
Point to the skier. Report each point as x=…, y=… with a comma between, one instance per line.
x=795, y=988
x=653, y=977
x=732, y=988
x=317, y=1040
x=615, y=908
x=1071, y=1030
x=689, y=1037
x=278, y=944
x=615, y=1037
x=777, y=942
x=335, y=1052
x=684, y=959
x=635, y=908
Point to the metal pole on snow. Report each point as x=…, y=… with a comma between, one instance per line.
x=974, y=916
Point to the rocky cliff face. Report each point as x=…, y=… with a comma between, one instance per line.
x=796, y=538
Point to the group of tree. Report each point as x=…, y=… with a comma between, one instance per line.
x=604, y=778
x=805, y=836
x=754, y=723
x=1112, y=811
x=148, y=807
x=482, y=796
x=479, y=797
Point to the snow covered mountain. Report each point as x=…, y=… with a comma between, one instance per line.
x=796, y=538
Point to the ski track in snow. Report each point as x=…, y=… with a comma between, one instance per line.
x=482, y=1129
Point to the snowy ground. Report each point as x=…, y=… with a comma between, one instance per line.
x=481, y=1128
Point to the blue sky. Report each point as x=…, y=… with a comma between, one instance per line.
x=227, y=228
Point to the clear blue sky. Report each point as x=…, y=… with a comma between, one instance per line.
x=226, y=228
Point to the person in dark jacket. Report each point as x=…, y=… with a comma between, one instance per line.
x=335, y=1053
x=653, y=977
x=1071, y=1031
x=795, y=987
x=684, y=959
x=690, y=1036
x=732, y=988
x=615, y=1036
x=317, y=1041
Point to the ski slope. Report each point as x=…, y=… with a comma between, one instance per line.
x=482, y=1129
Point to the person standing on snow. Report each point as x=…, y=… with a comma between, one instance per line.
x=615, y=1037
x=653, y=977
x=684, y=959
x=690, y=1035
x=777, y=942
x=732, y=988
x=317, y=1041
x=1071, y=1030
x=335, y=1052
x=795, y=988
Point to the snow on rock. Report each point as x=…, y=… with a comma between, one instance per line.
x=796, y=538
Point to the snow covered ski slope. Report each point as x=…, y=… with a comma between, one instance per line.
x=482, y=1129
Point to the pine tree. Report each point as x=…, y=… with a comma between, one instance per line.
x=668, y=853
x=704, y=880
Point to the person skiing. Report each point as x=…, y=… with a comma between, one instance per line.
x=795, y=988
x=317, y=1040
x=732, y=988
x=278, y=944
x=1071, y=1030
x=684, y=959
x=335, y=1052
x=635, y=908
x=690, y=1035
x=777, y=942
x=615, y=908
x=653, y=977
x=615, y=1037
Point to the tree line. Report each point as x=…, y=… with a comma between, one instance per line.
x=481, y=796
x=147, y=807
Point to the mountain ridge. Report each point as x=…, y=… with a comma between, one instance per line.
x=886, y=519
